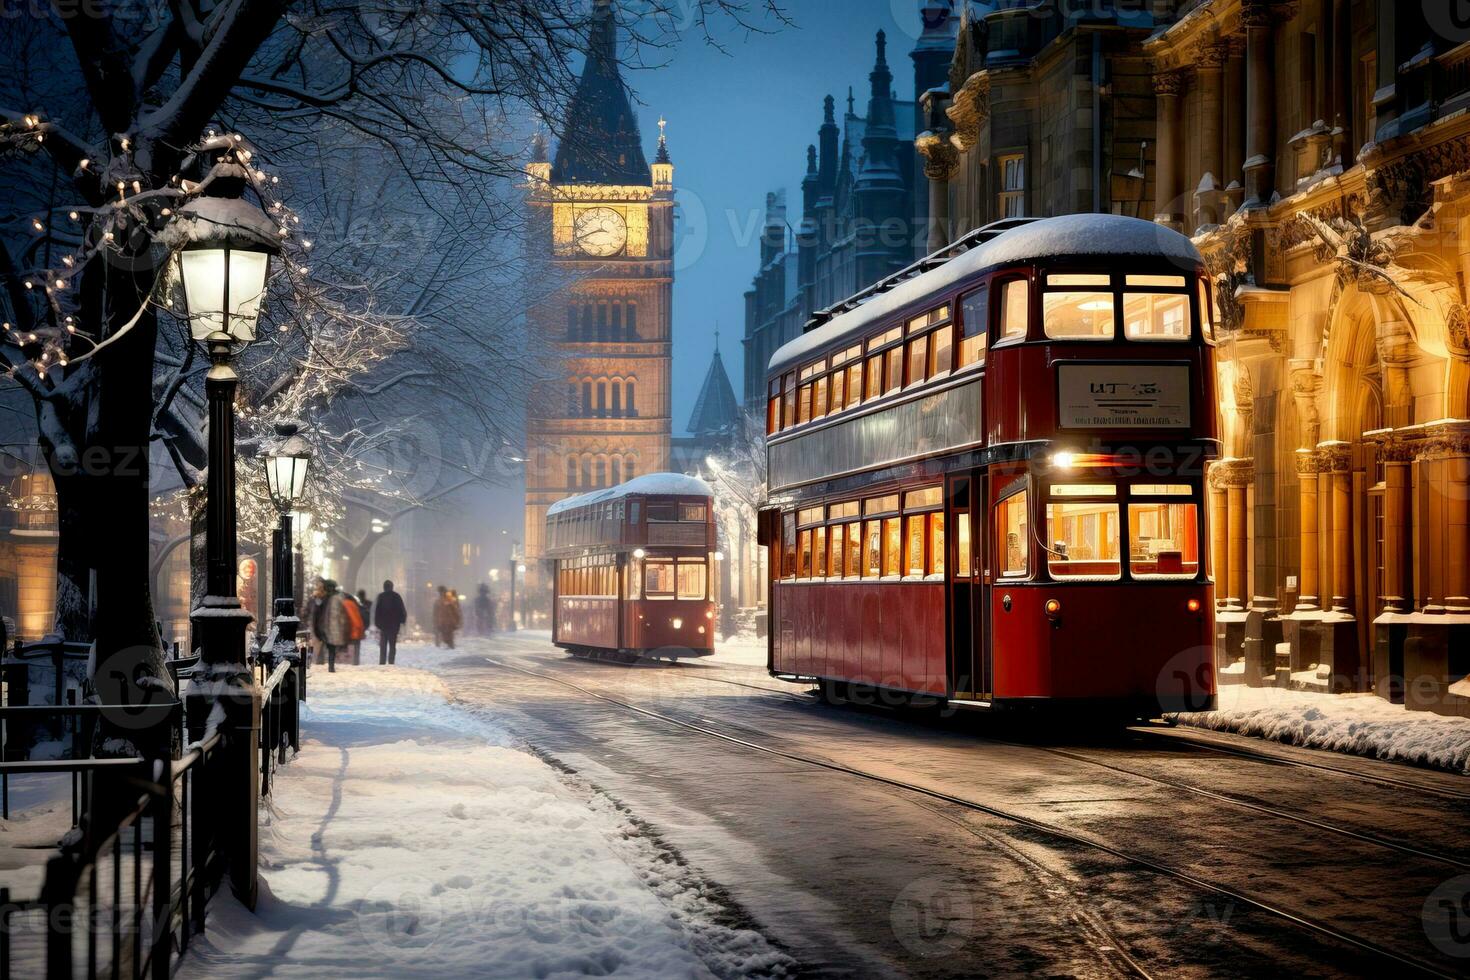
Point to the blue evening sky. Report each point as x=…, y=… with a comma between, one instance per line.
x=739, y=124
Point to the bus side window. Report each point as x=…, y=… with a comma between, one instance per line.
x=1012, y=538
x=974, y=325
x=1015, y=303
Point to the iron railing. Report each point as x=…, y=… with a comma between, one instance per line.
x=151, y=842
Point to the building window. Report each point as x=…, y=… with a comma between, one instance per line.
x=629, y=405
x=1012, y=198
x=572, y=323
x=630, y=323
x=571, y=472
x=601, y=472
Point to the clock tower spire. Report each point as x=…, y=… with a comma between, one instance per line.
x=604, y=217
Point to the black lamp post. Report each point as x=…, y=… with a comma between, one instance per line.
x=286, y=466
x=224, y=247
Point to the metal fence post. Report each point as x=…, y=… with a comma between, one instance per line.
x=163, y=857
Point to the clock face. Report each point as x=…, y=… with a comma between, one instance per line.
x=601, y=232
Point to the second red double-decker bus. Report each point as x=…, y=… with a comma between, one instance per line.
x=632, y=569
x=986, y=475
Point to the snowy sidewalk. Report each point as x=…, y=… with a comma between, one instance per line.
x=411, y=838
x=1359, y=724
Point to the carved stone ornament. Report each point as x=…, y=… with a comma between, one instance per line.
x=1168, y=82
x=970, y=110
x=941, y=159
x=1457, y=331
x=1307, y=462
x=1228, y=473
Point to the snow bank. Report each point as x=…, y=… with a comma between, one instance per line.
x=411, y=838
x=1357, y=724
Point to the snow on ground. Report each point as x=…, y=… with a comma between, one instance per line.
x=1359, y=724
x=744, y=649
x=413, y=838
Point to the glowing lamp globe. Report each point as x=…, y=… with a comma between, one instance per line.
x=224, y=247
x=286, y=465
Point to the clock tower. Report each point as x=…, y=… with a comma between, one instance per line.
x=603, y=218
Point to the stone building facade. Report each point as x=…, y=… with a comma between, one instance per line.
x=603, y=221
x=28, y=537
x=864, y=205
x=1318, y=153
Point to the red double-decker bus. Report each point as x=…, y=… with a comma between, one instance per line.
x=985, y=475
x=632, y=569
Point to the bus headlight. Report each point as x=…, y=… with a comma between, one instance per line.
x=1064, y=461
x=1192, y=605
x=678, y=624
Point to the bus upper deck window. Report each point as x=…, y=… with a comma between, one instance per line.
x=1156, y=316
x=975, y=323
x=1078, y=307
x=1015, y=302
x=692, y=512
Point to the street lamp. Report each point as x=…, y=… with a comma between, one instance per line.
x=224, y=245
x=286, y=465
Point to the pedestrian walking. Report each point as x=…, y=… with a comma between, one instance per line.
x=389, y=615
x=447, y=616
x=330, y=623
x=484, y=611
x=356, y=628
x=310, y=616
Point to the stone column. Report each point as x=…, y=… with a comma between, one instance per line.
x=1235, y=502
x=1337, y=462
x=1260, y=148
x=1447, y=449
x=1306, y=468
x=1229, y=541
x=1167, y=209
x=1219, y=537
x=1396, y=459
x=1209, y=194
x=941, y=162
x=1233, y=122
x=1340, y=64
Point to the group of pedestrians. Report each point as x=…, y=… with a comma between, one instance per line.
x=449, y=618
x=338, y=622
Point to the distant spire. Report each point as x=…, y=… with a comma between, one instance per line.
x=601, y=144
x=663, y=142
x=827, y=139
x=811, y=158
x=716, y=411
x=851, y=101
x=538, y=145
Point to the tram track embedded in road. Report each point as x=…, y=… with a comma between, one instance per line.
x=1216, y=795
x=1040, y=826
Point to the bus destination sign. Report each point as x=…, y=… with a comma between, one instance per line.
x=1136, y=395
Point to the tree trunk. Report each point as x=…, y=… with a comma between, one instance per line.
x=129, y=661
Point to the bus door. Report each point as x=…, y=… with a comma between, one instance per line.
x=968, y=674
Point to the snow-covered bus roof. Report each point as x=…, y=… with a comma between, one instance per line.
x=649, y=484
x=1067, y=236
